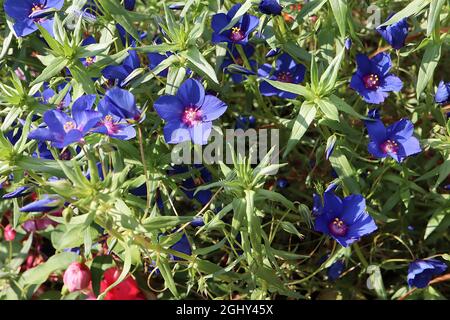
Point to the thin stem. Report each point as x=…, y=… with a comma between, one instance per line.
x=360, y=255
x=144, y=164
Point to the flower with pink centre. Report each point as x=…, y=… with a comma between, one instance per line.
x=396, y=141
x=189, y=113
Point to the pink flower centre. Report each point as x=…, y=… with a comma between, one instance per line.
x=236, y=34
x=285, y=76
x=389, y=146
x=69, y=125
x=338, y=228
x=371, y=81
x=108, y=122
x=191, y=116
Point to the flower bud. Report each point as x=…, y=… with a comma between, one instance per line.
x=77, y=277
x=9, y=233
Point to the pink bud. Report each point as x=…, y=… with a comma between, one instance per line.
x=9, y=233
x=77, y=277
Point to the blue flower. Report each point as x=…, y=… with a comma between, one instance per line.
x=129, y=4
x=126, y=38
x=63, y=130
x=117, y=74
x=396, y=141
x=282, y=183
x=120, y=103
x=442, y=93
x=182, y=246
x=272, y=53
x=372, y=79
x=286, y=70
x=28, y=13
x=155, y=59
x=189, y=113
x=238, y=34
x=348, y=43
x=233, y=57
x=19, y=192
x=46, y=204
x=190, y=184
x=317, y=205
x=197, y=222
x=49, y=93
x=113, y=122
x=345, y=220
x=245, y=122
x=86, y=42
x=395, y=34
x=335, y=270
x=420, y=272
x=271, y=7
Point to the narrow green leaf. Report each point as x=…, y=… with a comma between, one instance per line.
x=301, y=123
x=429, y=62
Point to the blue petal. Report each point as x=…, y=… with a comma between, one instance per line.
x=200, y=133
x=191, y=93
x=332, y=204
x=169, y=108
x=402, y=129
x=212, y=108
x=391, y=83
x=442, y=93
x=175, y=133
x=377, y=131
x=381, y=63
x=72, y=136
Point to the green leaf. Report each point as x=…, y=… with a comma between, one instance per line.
x=412, y=8
x=341, y=105
x=156, y=223
x=291, y=87
x=310, y=8
x=275, y=196
x=328, y=79
x=434, y=14
x=305, y=116
x=200, y=64
x=40, y=274
x=164, y=267
x=120, y=16
x=343, y=168
x=328, y=108
x=99, y=265
x=339, y=8
x=434, y=222
x=429, y=62
x=51, y=70
x=290, y=228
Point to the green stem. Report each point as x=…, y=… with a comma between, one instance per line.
x=144, y=163
x=360, y=255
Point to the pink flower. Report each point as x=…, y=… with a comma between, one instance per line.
x=77, y=277
x=9, y=233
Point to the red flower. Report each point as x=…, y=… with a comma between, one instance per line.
x=126, y=290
